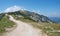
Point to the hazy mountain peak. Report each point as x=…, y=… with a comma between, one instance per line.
x=13, y=8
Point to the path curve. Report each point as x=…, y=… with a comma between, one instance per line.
x=23, y=29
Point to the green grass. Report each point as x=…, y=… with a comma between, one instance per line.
x=4, y=23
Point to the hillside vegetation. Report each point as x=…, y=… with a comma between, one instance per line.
x=5, y=23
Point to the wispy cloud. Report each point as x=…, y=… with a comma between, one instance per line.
x=13, y=8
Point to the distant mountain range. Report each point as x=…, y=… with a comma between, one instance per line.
x=56, y=19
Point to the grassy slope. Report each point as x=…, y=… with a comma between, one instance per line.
x=4, y=23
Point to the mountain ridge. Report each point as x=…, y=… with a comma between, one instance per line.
x=31, y=15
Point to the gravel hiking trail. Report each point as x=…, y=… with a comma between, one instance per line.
x=23, y=29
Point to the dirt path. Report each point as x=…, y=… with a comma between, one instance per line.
x=23, y=29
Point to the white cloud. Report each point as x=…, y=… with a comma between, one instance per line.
x=13, y=8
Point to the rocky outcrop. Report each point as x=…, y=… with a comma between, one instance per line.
x=39, y=18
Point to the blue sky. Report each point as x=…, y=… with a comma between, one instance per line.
x=46, y=7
